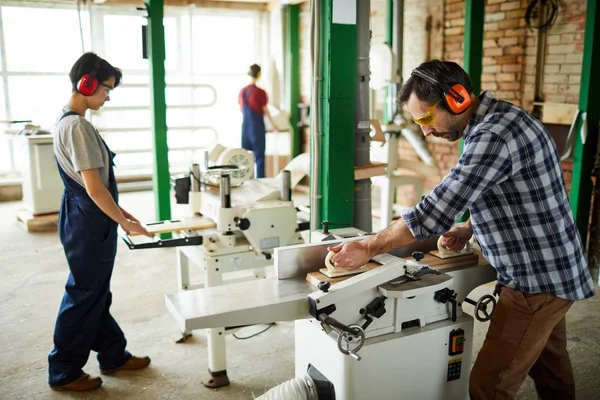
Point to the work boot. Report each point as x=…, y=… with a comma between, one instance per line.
x=132, y=364
x=84, y=382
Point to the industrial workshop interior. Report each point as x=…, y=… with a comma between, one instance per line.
x=299, y=199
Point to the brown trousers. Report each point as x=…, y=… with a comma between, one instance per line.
x=527, y=335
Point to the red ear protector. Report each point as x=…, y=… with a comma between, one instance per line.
x=88, y=83
x=456, y=96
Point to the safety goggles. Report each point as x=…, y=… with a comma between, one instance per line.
x=108, y=88
x=427, y=118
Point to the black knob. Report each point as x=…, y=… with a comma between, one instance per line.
x=242, y=223
x=267, y=255
x=324, y=286
x=418, y=255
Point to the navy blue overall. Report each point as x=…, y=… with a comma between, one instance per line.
x=84, y=323
x=253, y=134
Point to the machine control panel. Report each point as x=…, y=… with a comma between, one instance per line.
x=456, y=342
x=454, y=367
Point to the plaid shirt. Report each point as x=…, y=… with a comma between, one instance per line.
x=510, y=178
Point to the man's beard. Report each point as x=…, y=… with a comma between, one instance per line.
x=452, y=134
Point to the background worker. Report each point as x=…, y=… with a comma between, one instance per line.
x=253, y=103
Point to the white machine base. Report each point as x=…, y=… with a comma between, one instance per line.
x=414, y=364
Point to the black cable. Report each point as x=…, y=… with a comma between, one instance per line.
x=255, y=334
x=551, y=17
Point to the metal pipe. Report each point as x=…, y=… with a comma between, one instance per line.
x=540, y=60
x=398, y=51
x=286, y=185
x=315, y=159
x=362, y=117
x=225, y=191
x=362, y=140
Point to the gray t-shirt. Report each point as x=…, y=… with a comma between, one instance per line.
x=79, y=147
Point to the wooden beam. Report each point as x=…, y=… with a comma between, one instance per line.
x=252, y=5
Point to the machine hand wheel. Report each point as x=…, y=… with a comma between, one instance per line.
x=481, y=308
x=350, y=344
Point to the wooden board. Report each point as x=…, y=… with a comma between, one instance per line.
x=183, y=225
x=343, y=272
x=38, y=223
x=558, y=113
x=315, y=277
x=461, y=261
x=369, y=171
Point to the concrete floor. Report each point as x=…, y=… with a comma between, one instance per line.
x=34, y=270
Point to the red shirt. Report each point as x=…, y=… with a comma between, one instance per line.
x=257, y=99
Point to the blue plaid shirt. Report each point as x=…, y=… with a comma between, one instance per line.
x=510, y=178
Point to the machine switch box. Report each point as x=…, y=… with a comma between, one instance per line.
x=456, y=342
x=454, y=367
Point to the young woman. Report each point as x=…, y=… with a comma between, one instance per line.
x=253, y=103
x=87, y=227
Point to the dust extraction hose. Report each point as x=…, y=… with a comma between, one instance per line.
x=302, y=388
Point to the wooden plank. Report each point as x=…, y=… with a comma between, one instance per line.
x=379, y=135
x=472, y=259
x=558, y=113
x=315, y=277
x=257, y=5
x=184, y=225
x=369, y=171
x=440, y=263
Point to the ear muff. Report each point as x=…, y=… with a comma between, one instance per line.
x=88, y=83
x=456, y=97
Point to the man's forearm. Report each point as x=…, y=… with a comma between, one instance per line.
x=393, y=237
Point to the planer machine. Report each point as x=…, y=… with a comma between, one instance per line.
x=397, y=328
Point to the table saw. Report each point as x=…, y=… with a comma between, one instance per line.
x=394, y=331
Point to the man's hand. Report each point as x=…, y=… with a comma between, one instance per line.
x=456, y=238
x=135, y=227
x=349, y=255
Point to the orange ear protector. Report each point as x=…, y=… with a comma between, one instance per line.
x=88, y=83
x=456, y=96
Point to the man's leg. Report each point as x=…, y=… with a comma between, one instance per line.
x=518, y=333
x=552, y=373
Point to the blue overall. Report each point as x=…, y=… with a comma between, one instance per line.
x=253, y=134
x=84, y=322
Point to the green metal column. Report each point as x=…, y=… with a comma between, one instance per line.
x=589, y=102
x=473, y=53
x=292, y=73
x=158, y=108
x=337, y=96
x=389, y=40
x=474, y=15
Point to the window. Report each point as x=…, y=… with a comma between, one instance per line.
x=38, y=98
x=41, y=39
x=207, y=55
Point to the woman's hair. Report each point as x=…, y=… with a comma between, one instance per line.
x=91, y=63
x=254, y=71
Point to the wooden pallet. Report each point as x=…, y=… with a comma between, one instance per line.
x=38, y=223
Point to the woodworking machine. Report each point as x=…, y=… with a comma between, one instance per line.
x=234, y=240
x=397, y=329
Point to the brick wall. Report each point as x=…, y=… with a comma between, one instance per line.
x=509, y=54
x=509, y=58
